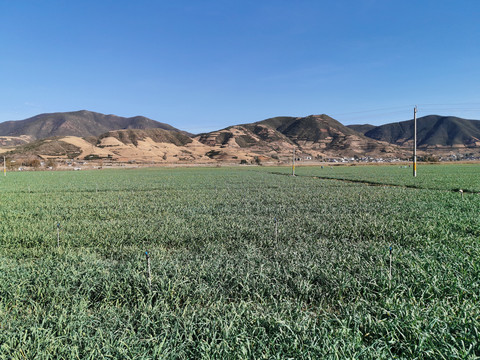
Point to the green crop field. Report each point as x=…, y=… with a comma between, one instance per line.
x=245, y=263
x=442, y=177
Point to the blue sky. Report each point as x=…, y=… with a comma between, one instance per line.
x=203, y=65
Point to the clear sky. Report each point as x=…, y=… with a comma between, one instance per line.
x=202, y=65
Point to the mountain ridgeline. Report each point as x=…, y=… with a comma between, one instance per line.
x=432, y=131
x=315, y=135
x=78, y=123
x=86, y=134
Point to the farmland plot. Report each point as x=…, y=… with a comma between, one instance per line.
x=245, y=263
x=442, y=177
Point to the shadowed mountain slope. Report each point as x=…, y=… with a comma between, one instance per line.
x=432, y=130
x=362, y=129
x=310, y=128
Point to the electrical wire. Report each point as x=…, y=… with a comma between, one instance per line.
x=425, y=108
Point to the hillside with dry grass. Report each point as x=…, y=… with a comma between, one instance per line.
x=81, y=135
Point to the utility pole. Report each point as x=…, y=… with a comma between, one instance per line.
x=293, y=163
x=4, y=167
x=415, y=141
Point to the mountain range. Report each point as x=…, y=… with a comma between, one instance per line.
x=78, y=123
x=90, y=135
x=432, y=131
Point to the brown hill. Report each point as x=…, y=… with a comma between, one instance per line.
x=255, y=138
x=132, y=145
x=316, y=136
x=128, y=137
x=45, y=148
x=78, y=123
x=11, y=141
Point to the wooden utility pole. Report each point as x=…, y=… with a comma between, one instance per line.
x=293, y=163
x=415, y=141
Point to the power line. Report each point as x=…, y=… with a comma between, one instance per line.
x=374, y=110
x=421, y=108
x=397, y=109
x=454, y=104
